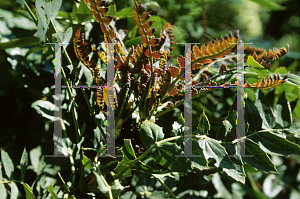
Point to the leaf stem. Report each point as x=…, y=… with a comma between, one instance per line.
x=165, y=186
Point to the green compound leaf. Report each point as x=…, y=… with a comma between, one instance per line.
x=228, y=129
x=283, y=113
x=272, y=5
x=198, y=162
x=123, y=169
x=101, y=185
x=23, y=164
x=142, y=167
x=3, y=193
x=28, y=191
x=260, y=159
x=203, y=126
x=83, y=13
x=128, y=152
x=86, y=162
x=275, y=145
x=7, y=164
x=116, y=188
x=165, y=155
x=151, y=133
x=265, y=110
x=52, y=192
x=238, y=172
x=64, y=37
x=46, y=11
x=212, y=149
x=253, y=117
x=21, y=2
x=256, y=67
x=293, y=79
x=178, y=126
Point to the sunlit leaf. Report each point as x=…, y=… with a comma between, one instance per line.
x=203, y=126
x=150, y=133
x=260, y=159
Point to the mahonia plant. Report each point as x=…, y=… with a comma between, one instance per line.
x=153, y=86
x=150, y=86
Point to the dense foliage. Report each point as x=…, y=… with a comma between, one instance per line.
x=149, y=98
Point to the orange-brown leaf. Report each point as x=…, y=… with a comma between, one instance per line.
x=107, y=19
x=148, y=24
x=144, y=39
x=174, y=71
x=173, y=91
x=151, y=32
x=154, y=41
x=103, y=10
x=112, y=34
x=180, y=60
x=155, y=54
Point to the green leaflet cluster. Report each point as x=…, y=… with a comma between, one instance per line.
x=264, y=136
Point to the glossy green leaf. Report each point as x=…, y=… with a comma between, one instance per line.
x=265, y=110
x=128, y=152
x=198, y=162
x=150, y=133
x=7, y=164
x=45, y=108
x=273, y=144
x=20, y=42
x=127, y=12
x=23, y=164
x=260, y=159
x=123, y=170
x=213, y=149
x=116, y=188
x=128, y=194
x=28, y=191
x=178, y=126
x=203, y=126
x=14, y=191
x=253, y=117
x=283, y=113
x=228, y=129
x=272, y=5
x=45, y=12
x=134, y=41
x=35, y=155
x=87, y=163
x=2, y=186
x=52, y=192
x=112, y=10
x=55, y=6
x=83, y=12
x=222, y=191
x=272, y=185
x=101, y=185
x=142, y=167
x=256, y=67
x=294, y=80
x=42, y=22
x=21, y=2
x=239, y=171
x=165, y=155
x=65, y=37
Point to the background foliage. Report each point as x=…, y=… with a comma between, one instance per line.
x=27, y=79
